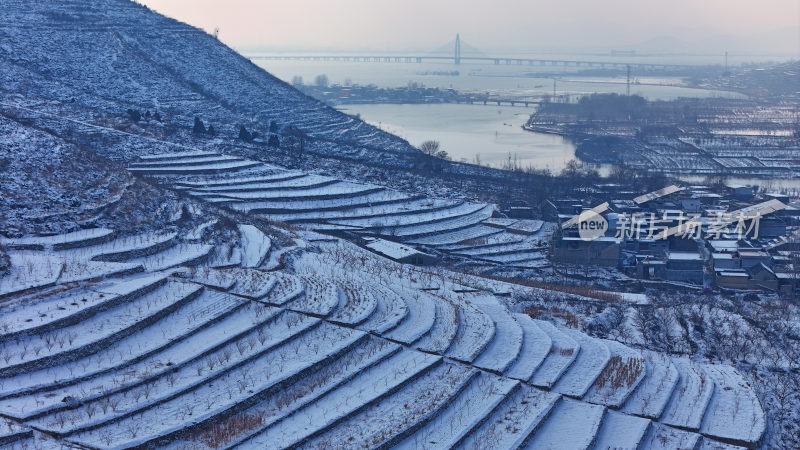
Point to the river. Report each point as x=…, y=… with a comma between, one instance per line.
x=470, y=133
x=489, y=133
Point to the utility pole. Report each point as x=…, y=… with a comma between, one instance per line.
x=554, y=88
x=726, y=61
x=628, y=91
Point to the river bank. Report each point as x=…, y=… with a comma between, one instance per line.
x=753, y=141
x=488, y=135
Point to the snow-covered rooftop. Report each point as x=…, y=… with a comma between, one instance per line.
x=685, y=256
x=393, y=250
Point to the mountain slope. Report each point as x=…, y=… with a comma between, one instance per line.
x=80, y=66
x=115, y=54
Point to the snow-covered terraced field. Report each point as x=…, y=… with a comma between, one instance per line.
x=692, y=396
x=287, y=183
x=37, y=350
x=473, y=405
x=536, y=345
x=255, y=245
x=358, y=305
x=444, y=328
x=385, y=423
x=484, y=241
x=513, y=422
x=12, y=434
x=186, y=355
x=389, y=312
x=185, y=161
x=37, y=315
x=128, y=247
x=328, y=191
x=418, y=322
x=529, y=264
x=289, y=206
x=498, y=249
x=661, y=437
x=240, y=357
x=475, y=232
x=571, y=425
x=260, y=174
x=621, y=376
x=178, y=156
x=400, y=207
x=654, y=392
x=35, y=269
x=621, y=431
x=507, y=342
x=736, y=412
x=562, y=354
x=584, y=370
x=365, y=389
x=448, y=223
x=419, y=217
x=515, y=257
x=79, y=238
x=475, y=332
x=181, y=254
x=329, y=205
x=194, y=168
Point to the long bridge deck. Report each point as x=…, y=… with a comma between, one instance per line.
x=473, y=59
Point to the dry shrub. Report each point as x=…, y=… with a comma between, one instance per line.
x=620, y=372
x=582, y=291
x=570, y=319
x=282, y=225
x=216, y=435
x=5, y=261
x=475, y=241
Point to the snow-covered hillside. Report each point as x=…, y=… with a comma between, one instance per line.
x=161, y=287
x=81, y=69
x=176, y=344
x=111, y=55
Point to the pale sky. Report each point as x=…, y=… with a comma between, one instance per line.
x=764, y=26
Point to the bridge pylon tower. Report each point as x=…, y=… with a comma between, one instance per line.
x=457, y=57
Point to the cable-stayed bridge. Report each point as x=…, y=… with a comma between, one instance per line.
x=457, y=56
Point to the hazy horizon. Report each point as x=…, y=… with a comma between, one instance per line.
x=682, y=26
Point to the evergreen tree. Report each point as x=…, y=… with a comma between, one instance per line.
x=274, y=141
x=134, y=115
x=199, y=128
x=244, y=134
